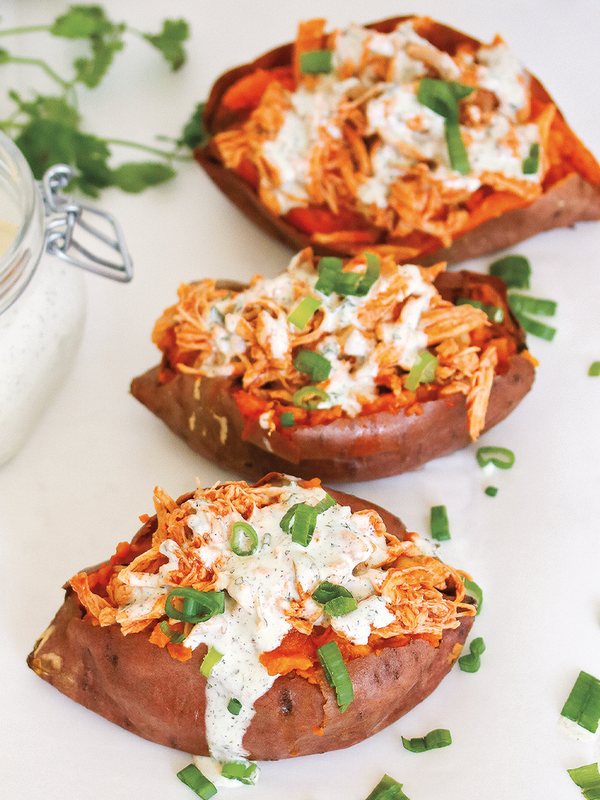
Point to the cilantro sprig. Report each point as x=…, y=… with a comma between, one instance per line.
x=48, y=128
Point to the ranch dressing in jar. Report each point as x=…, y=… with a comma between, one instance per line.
x=42, y=296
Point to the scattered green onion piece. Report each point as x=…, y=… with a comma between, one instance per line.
x=443, y=98
x=440, y=737
x=197, y=606
x=287, y=419
x=500, y=457
x=531, y=305
x=329, y=268
x=234, y=706
x=531, y=164
x=174, y=636
x=474, y=591
x=514, y=270
x=314, y=364
x=371, y=274
x=315, y=62
x=459, y=160
x=491, y=491
x=422, y=371
x=304, y=311
x=493, y=313
x=332, y=278
x=336, y=673
x=325, y=503
x=303, y=527
x=588, y=780
x=193, y=778
x=594, y=369
x=244, y=539
x=387, y=789
x=583, y=703
x=336, y=600
x=288, y=517
x=243, y=771
x=472, y=661
x=309, y=397
x=535, y=327
x=440, y=529
x=340, y=606
x=210, y=659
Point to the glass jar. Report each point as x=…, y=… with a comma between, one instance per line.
x=42, y=293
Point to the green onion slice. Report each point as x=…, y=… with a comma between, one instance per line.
x=333, y=279
x=472, y=661
x=309, y=397
x=440, y=529
x=325, y=503
x=531, y=305
x=588, y=780
x=244, y=539
x=457, y=152
x=371, y=274
x=304, y=311
x=174, y=636
x=514, y=270
x=474, y=591
x=197, y=606
x=329, y=268
x=500, y=457
x=300, y=519
x=422, y=371
x=210, y=659
x=387, y=789
x=234, y=706
x=287, y=419
x=314, y=364
x=491, y=491
x=243, y=771
x=440, y=737
x=594, y=369
x=336, y=600
x=314, y=62
x=583, y=703
x=535, y=327
x=531, y=164
x=193, y=778
x=443, y=98
x=336, y=673
x=493, y=313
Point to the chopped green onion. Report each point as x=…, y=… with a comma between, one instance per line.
x=514, y=271
x=443, y=98
x=336, y=600
x=594, y=369
x=440, y=737
x=531, y=305
x=197, y=606
x=329, y=268
x=474, y=591
x=333, y=279
x=314, y=62
x=174, y=636
x=305, y=521
x=371, y=274
x=193, y=778
x=493, y=313
x=304, y=311
x=244, y=539
x=500, y=457
x=440, y=528
x=314, y=364
x=532, y=163
x=287, y=419
x=387, y=789
x=472, y=661
x=243, y=771
x=491, y=491
x=583, y=703
x=422, y=371
x=336, y=673
x=457, y=152
x=325, y=503
x=588, y=780
x=309, y=397
x=210, y=659
x=234, y=706
x=535, y=327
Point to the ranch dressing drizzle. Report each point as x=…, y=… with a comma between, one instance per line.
x=261, y=591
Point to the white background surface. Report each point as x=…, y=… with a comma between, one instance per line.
x=88, y=471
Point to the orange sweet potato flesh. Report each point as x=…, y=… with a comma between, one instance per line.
x=571, y=188
x=140, y=687
x=205, y=414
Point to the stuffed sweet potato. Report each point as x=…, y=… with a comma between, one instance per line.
x=209, y=631
x=350, y=372
x=405, y=137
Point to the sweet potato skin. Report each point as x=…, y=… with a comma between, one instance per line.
x=141, y=688
x=563, y=203
x=204, y=413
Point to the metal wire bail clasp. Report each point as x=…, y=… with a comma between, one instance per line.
x=70, y=236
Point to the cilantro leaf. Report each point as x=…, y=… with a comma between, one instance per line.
x=135, y=176
x=90, y=71
x=45, y=142
x=82, y=22
x=194, y=133
x=170, y=41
